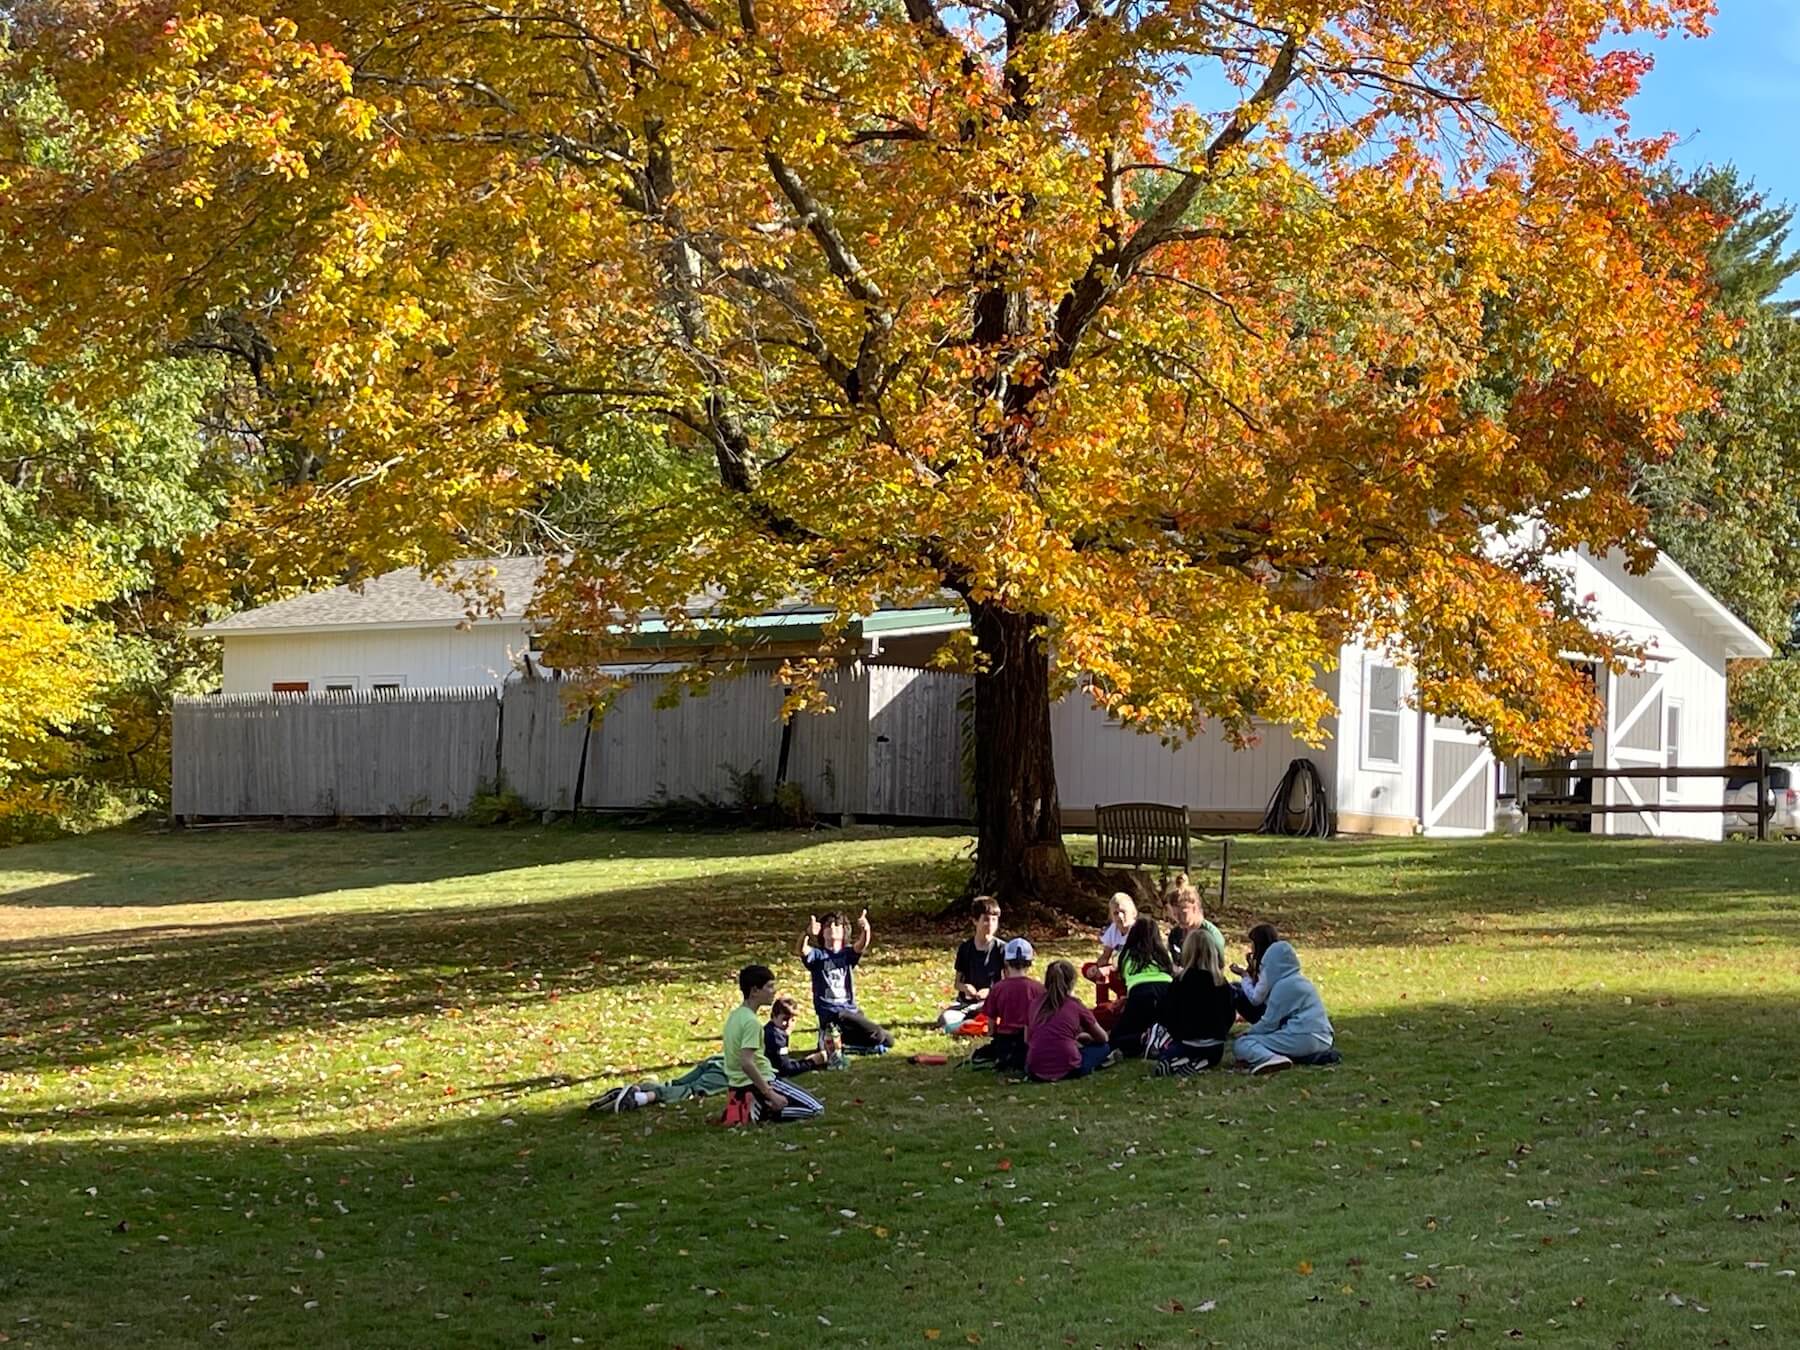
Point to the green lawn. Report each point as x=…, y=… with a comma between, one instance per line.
x=327, y=1089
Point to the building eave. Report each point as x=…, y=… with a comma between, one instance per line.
x=227, y=630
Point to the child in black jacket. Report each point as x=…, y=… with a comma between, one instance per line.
x=1197, y=1010
x=775, y=1042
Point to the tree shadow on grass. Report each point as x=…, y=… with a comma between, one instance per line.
x=1399, y=892
x=1572, y=1159
x=132, y=867
x=97, y=997
x=139, y=1114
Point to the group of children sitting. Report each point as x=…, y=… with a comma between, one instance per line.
x=1167, y=1000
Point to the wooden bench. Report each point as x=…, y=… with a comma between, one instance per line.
x=1152, y=834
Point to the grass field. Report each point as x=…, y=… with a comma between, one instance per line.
x=327, y=1089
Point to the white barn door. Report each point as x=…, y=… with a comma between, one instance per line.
x=1459, y=780
x=1635, y=727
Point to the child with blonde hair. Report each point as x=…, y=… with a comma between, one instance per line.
x=1109, y=993
x=1187, y=914
x=1197, y=1011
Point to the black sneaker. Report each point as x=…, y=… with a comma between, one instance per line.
x=608, y=1101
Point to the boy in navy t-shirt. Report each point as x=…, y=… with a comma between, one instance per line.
x=832, y=964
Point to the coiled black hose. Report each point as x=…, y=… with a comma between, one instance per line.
x=1311, y=819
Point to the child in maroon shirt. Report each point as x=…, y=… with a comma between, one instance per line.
x=1010, y=1004
x=1063, y=1040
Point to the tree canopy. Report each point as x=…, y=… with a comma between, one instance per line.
x=96, y=502
x=1189, y=339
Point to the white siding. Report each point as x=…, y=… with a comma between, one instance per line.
x=427, y=658
x=1099, y=761
x=1373, y=790
x=1693, y=669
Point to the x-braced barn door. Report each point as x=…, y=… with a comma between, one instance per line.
x=1459, y=779
x=1635, y=727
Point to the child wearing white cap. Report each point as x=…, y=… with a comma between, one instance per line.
x=1009, y=1007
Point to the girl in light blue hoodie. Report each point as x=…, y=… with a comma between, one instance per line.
x=1293, y=1024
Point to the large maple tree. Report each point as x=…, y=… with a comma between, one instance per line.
x=1181, y=340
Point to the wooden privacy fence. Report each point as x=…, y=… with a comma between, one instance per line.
x=892, y=748
x=405, y=752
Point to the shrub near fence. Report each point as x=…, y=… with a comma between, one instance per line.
x=892, y=747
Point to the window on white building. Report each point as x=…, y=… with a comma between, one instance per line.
x=1671, y=746
x=1381, y=717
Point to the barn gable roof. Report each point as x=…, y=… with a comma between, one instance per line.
x=1699, y=606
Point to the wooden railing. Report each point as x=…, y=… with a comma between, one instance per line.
x=1759, y=770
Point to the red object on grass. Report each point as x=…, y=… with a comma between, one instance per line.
x=1109, y=993
x=975, y=1025
x=929, y=1058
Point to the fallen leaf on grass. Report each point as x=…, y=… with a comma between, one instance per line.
x=1423, y=1282
x=932, y=1333
x=1305, y=1267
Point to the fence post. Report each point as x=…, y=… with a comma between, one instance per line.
x=499, y=738
x=587, y=735
x=1522, y=794
x=1762, y=794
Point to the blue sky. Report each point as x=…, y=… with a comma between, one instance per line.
x=1732, y=97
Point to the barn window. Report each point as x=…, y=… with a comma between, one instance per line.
x=1382, y=714
x=1671, y=746
x=341, y=684
x=380, y=682
x=290, y=686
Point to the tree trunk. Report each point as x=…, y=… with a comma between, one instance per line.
x=1019, y=854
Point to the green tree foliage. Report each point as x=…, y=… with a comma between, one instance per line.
x=1726, y=505
x=125, y=483
x=96, y=502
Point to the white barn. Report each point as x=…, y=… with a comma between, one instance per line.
x=1386, y=767
x=402, y=631
x=1391, y=769
x=398, y=631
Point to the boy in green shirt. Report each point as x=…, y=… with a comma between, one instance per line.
x=750, y=1080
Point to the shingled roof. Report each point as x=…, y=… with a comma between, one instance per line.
x=405, y=599
x=400, y=599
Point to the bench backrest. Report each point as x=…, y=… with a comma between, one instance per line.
x=1138, y=834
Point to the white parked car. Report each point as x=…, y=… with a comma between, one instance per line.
x=1784, y=799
